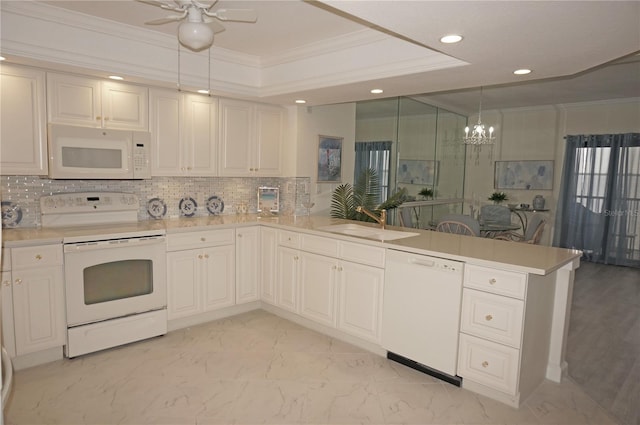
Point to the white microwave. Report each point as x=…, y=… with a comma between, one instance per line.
x=95, y=153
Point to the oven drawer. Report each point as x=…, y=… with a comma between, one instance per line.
x=36, y=256
x=207, y=238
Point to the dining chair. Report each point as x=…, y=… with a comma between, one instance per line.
x=532, y=234
x=459, y=224
x=405, y=217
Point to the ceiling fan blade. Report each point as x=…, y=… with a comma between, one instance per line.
x=166, y=20
x=241, y=15
x=214, y=24
x=163, y=4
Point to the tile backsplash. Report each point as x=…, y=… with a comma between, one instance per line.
x=25, y=191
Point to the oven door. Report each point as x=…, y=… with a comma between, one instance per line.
x=114, y=278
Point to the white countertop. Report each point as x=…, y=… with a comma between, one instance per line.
x=515, y=256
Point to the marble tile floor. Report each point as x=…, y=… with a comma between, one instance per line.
x=257, y=368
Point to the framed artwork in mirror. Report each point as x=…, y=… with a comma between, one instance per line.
x=329, y=159
x=527, y=175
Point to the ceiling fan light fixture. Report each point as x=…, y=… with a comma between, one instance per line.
x=195, y=35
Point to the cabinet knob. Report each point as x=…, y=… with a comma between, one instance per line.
x=200, y=256
x=485, y=364
x=239, y=235
x=18, y=281
x=6, y=283
x=340, y=268
x=488, y=317
x=492, y=281
x=203, y=239
x=295, y=258
x=206, y=255
x=98, y=118
x=38, y=257
x=106, y=118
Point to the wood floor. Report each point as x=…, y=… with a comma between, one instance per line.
x=603, y=348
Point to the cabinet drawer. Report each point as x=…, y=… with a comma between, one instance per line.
x=502, y=282
x=363, y=254
x=319, y=245
x=207, y=238
x=492, y=316
x=36, y=256
x=488, y=363
x=289, y=239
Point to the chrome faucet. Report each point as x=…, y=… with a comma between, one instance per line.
x=382, y=220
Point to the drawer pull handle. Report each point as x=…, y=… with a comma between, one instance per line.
x=488, y=317
x=38, y=257
x=485, y=364
x=492, y=281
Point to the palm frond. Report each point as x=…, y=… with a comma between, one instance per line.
x=342, y=202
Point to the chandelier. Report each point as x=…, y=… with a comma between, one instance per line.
x=478, y=135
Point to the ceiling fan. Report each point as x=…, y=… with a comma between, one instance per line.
x=196, y=33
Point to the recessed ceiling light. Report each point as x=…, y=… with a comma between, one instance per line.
x=116, y=77
x=377, y=91
x=523, y=71
x=301, y=101
x=203, y=91
x=451, y=38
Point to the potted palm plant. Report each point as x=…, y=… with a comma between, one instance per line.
x=498, y=197
x=346, y=198
x=426, y=193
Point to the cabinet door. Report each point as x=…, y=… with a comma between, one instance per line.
x=38, y=308
x=218, y=277
x=125, y=106
x=318, y=287
x=200, y=135
x=268, y=146
x=360, y=298
x=74, y=100
x=236, y=135
x=166, y=129
x=8, y=338
x=287, y=289
x=23, y=140
x=268, y=264
x=184, y=274
x=247, y=272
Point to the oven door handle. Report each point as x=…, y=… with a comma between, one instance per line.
x=113, y=244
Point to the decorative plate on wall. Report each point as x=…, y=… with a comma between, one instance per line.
x=188, y=206
x=11, y=214
x=215, y=205
x=156, y=208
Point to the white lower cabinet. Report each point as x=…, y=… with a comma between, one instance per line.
x=318, y=282
x=35, y=290
x=360, y=300
x=505, y=329
x=268, y=264
x=331, y=282
x=200, y=279
x=247, y=264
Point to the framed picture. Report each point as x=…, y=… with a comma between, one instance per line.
x=268, y=199
x=527, y=175
x=412, y=171
x=329, y=159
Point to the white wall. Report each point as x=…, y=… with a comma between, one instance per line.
x=331, y=120
x=538, y=133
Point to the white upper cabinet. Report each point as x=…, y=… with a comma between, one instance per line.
x=250, y=139
x=87, y=102
x=184, y=134
x=23, y=140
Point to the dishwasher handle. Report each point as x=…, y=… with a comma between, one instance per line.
x=422, y=262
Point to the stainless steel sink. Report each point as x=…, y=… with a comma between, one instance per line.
x=367, y=232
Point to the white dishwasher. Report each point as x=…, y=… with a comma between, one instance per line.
x=421, y=313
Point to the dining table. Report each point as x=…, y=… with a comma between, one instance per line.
x=493, y=229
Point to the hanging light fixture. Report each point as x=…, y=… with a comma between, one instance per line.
x=195, y=33
x=478, y=136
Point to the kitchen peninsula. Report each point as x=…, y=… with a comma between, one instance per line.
x=515, y=297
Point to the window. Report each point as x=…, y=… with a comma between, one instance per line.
x=377, y=156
